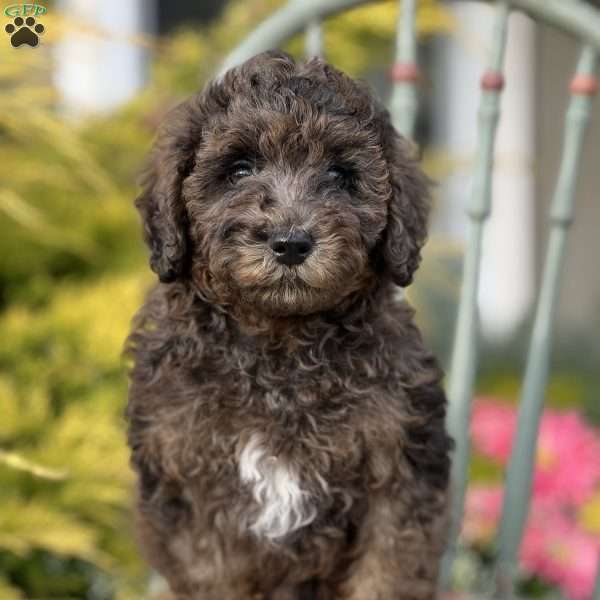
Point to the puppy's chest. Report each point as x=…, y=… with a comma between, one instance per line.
x=276, y=451
x=275, y=478
x=275, y=466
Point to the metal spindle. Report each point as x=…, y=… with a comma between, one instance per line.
x=313, y=40
x=522, y=462
x=462, y=372
x=405, y=72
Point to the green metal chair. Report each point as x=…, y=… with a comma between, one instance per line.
x=582, y=21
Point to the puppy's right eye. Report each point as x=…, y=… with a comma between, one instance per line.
x=241, y=169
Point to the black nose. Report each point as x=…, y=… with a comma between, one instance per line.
x=291, y=248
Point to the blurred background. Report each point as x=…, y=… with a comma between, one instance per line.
x=77, y=116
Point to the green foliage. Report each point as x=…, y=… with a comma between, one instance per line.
x=64, y=471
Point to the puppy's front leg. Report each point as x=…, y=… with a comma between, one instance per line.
x=401, y=550
x=214, y=569
x=194, y=564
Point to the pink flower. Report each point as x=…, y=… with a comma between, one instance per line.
x=482, y=513
x=492, y=428
x=568, y=459
x=554, y=547
x=567, y=474
x=567, y=465
x=560, y=553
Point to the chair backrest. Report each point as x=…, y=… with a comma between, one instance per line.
x=582, y=21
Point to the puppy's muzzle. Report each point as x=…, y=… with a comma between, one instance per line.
x=291, y=247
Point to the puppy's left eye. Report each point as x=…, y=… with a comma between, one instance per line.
x=240, y=169
x=340, y=176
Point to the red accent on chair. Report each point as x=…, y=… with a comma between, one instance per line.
x=492, y=81
x=405, y=72
x=584, y=85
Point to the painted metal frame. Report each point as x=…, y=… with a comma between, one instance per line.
x=405, y=72
x=464, y=355
x=575, y=17
x=521, y=466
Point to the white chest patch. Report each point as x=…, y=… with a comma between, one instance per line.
x=284, y=507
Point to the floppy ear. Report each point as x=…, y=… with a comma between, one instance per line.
x=160, y=204
x=408, y=210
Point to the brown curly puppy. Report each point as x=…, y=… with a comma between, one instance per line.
x=285, y=420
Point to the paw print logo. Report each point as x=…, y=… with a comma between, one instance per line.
x=24, y=31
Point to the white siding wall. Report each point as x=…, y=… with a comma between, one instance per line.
x=98, y=64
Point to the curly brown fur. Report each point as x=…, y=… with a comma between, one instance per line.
x=286, y=422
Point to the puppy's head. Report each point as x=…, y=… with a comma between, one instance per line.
x=283, y=188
